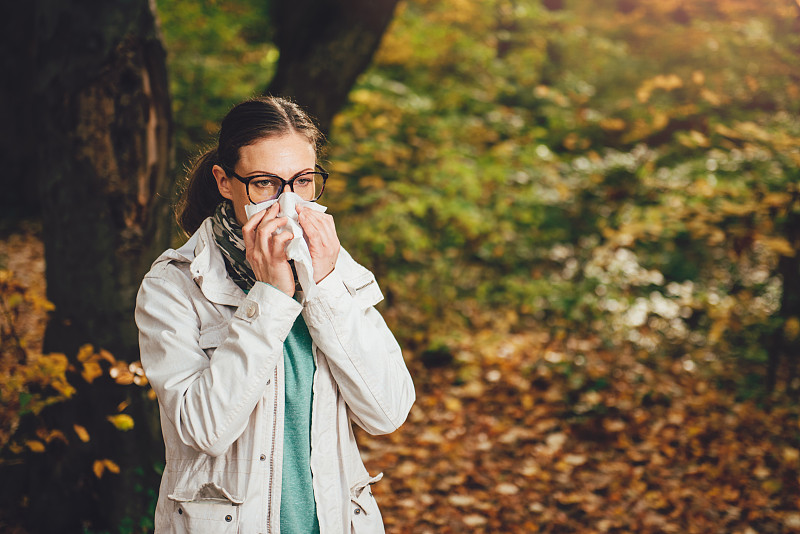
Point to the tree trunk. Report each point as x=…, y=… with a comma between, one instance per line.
x=91, y=98
x=324, y=46
x=20, y=197
x=785, y=341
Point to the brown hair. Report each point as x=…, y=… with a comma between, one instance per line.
x=245, y=124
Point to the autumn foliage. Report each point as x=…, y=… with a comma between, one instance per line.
x=585, y=218
x=30, y=380
x=619, y=169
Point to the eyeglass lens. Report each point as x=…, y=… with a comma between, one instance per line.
x=308, y=186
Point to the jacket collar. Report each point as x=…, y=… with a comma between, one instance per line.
x=207, y=267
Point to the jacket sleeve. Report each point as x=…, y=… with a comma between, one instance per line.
x=362, y=353
x=209, y=400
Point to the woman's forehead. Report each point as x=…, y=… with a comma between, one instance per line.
x=284, y=155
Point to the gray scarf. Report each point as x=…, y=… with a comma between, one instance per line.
x=228, y=235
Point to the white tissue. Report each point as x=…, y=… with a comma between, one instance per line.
x=297, y=248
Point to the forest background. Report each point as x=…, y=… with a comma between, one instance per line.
x=585, y=219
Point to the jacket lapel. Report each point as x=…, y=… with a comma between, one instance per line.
x=209, y=272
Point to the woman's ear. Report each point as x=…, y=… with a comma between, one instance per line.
x=223, y=182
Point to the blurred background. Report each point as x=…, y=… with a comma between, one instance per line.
x=584, y=216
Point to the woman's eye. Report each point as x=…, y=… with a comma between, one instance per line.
x=302, y=182
x=264, y=184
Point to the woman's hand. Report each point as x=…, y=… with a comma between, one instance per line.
x=266, y=252
x=323, y=243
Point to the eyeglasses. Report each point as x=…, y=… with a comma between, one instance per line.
x=263, y=187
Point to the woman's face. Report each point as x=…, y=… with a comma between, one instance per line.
x=285, y=156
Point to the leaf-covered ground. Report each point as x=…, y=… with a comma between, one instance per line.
x=541, y=433
x=532, y=434
x=22, y=253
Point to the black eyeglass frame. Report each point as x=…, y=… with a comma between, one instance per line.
x=246, y=181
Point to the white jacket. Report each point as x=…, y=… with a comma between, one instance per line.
x=214, y=357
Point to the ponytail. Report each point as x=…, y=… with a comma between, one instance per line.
x=200, y=196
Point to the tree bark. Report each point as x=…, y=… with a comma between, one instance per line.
x=324, y=46
x=18, y=142
x=91, y=100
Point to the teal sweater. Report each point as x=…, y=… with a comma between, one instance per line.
x=298, y=509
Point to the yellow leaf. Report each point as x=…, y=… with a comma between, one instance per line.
x=452, y=404
x=612, y=125
x=791, y=328
x=660, y=120
x=777, y=200
x=736, y=209
x=98, y=468
x=83, y=435
x=85, y=352
x=343, y=167
x=693, y=139
x=107, y=356
x=666, y=82
x=35, y=445
x=56, y=434
x=752, y=130
x=727, y=132
x=111, y=466
x=371, y=182
x=779, y=245
x=711, y=97
x=91, y=370
x=40, y=303
x=122, y=421
x=63, y=387
x=364, y=96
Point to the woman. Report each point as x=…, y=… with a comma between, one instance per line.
x=257, y=381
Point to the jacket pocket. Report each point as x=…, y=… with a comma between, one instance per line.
x=365, y=516
x=209, y=510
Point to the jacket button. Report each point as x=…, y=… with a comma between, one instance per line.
x=357, y=511
x=180, y=512
x=269, y=380
x=228, y=518
x=262, y=457
x=251, y=310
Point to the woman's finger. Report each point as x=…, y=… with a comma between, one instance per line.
x=267, y=227
x=323, y=243
x=248, y=229
x=316, y=222
x=263, y=215
x=278, y=242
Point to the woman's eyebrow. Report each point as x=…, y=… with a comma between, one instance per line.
x=265, y=173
